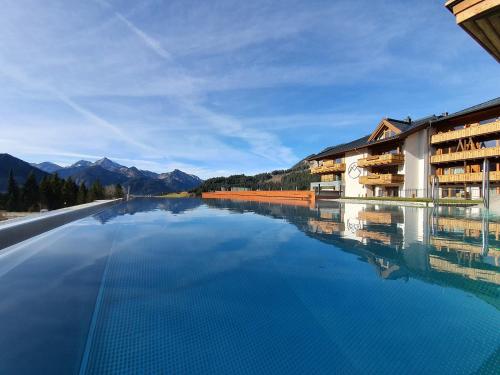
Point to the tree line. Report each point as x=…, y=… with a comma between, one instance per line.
x=296, y=178
x=52, y=193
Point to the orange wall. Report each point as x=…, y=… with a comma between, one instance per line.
x=264, y=196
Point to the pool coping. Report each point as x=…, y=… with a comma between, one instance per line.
x=386, y=202
x=20, y=229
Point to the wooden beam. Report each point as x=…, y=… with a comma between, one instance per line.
x=477, y=33
x=477, y=9
x=492, y=34
x=463, y=5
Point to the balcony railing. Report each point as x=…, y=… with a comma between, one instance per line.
x=377, y=217
x=382, y=179
x=472, y=131
x=467, y=177
x=461, y=246
x=472, y=228
x=466, y=155
x=444, y=265
x=376, y=236
x=325, y=227
x=328, y=168
x=384, y=159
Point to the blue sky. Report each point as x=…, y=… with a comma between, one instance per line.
x=223, y=87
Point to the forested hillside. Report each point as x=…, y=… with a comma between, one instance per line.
x=298, y=177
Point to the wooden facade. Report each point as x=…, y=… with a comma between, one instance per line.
x=460, y=147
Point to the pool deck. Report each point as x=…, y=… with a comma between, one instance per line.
x=403, y=202
x=385, y=202
x=20, y=229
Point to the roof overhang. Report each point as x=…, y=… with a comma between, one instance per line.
x=471, y=115
x=481, y=19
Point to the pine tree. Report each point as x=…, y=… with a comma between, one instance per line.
x=31, y=194
x=82, y=194
x=69, y=192
x=13, y=201
x=96, y=191
x=118, y=191
x=45, y=193
x=56, y=185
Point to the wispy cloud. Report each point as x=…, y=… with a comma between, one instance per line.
x=262, y=143
x=224, y=86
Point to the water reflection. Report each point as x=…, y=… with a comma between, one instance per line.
x=136, y=205
x=453, y=247
x=457, y=247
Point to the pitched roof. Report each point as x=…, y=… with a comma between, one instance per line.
x=340, y=149
x=406, y=128
x=475, y=108
x=401, y=125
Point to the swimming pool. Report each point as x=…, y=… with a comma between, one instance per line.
x=186, y=286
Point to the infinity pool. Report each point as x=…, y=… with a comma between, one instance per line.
x=186, y=286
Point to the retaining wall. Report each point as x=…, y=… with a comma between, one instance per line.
x=17, y=230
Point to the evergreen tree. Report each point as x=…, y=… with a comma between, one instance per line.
x=69, y=192
x=56, y=185
x=118, y=191
x=45, y=193
x=13, y=201
x=96, y=191
x=82, y=194
x=31, y=194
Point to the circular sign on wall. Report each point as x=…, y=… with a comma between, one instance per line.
x=353, y=225
x=353, y=171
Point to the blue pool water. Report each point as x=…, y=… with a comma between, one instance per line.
x=185, y=286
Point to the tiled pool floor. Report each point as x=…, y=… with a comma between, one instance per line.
x=219, y=287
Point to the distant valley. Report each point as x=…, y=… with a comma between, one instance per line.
x=108, y=172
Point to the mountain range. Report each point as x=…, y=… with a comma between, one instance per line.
x=108, y=172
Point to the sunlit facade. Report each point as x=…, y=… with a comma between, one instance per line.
x=451, y=156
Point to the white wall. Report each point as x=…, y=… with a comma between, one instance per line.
x=415, y=169
x=352, y=186
x=351, y=220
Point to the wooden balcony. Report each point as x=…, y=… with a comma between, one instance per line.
x=375, y=236
x=484, y=275
x=471, y=228
x=325, y=227
x=466, y=155
x=379, y=160
x=467, y=177
x=479, y=18
x=382, y=179
x=381, y=217
x=328, y=167
x=472, y=131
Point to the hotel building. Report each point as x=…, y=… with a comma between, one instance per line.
x=448, y=156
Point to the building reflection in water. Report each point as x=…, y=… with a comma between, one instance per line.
x=454, y=247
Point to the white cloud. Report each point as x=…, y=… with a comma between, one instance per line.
x=209, y=86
